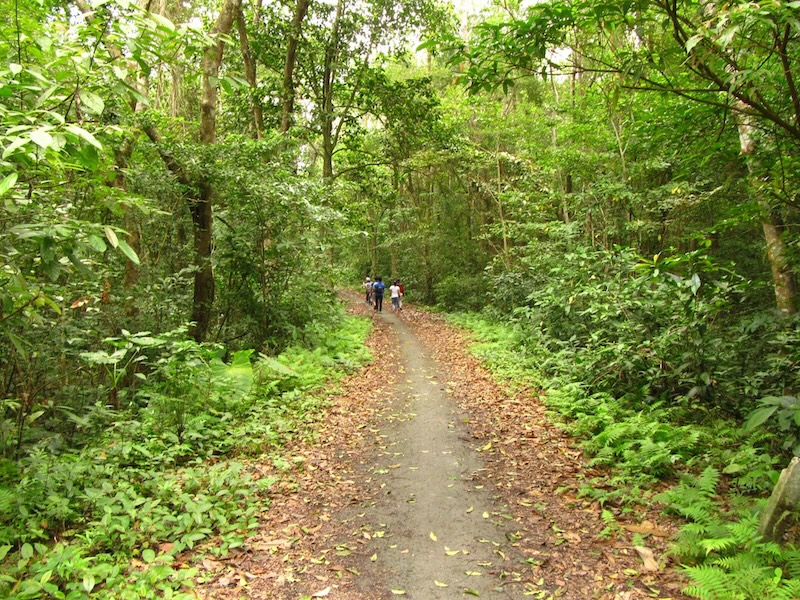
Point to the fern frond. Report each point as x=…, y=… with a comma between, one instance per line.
x=717, y=544
x=712, y=583
x=708, y=480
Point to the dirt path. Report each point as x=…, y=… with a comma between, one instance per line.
x=428, y=480
x=443, y=533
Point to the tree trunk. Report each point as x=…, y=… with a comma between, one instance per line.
x=300, y=12
x=783, y=280
x=201, y=207
x=328, y=78
x=250, y=74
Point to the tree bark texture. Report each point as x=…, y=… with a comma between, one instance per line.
x=287, y=114
x=328, y=78
x=250, y=74
x=201, y=206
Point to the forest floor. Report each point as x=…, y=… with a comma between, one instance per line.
x=426, y=479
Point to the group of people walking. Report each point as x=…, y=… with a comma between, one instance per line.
x=376, y=289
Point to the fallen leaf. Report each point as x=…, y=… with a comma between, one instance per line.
x=647, y=527
x=650, y=563
x=399, y=592
x=322, y=593
x=433, y=536
x=440, y=584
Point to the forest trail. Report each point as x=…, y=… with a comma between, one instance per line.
x=427, y=480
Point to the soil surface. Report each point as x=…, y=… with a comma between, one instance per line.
x=426, y=479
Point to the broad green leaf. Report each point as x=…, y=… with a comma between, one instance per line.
x=162, y=21
x=148, y=555
x=13, y=146
x=41, y=138
x=759, y=416
x=128, y=251
x=8, y=183
x=15, y=68
x=97, y=243
x=85, y=135
x=92, y=101
x=88, y=582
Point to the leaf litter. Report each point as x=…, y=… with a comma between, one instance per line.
x=306, y=546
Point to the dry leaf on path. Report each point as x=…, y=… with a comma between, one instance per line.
x=647, y=557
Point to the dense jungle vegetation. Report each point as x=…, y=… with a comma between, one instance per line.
x=605, y=190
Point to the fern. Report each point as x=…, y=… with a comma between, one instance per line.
x=712, y=583
x=717, y=544
x=708, y=480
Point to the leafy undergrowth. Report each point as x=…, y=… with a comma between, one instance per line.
x=181, y=469
x=646, y=458
x=303, y=544
x=576, y=548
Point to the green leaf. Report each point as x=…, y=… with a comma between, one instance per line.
x=13, y=146
x=8, y=183
x=26, y=551
x=88, y=582
x=148, y=555
x=128, y=251
x=41, y=138
x=96, y=243
x=693, y=41
x=92, y=101
x=85, y=135
x=111, y=236
x=758, y=416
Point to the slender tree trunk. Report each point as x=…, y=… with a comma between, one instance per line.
x=250, y=74
x=783, y=280
x=328, y=78
x=300, y=12
x=201, y=206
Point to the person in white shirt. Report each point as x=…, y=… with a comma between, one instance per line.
x=394, y=289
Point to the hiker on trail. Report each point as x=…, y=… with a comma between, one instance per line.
x=377, y=290
x=402, y=292
x=368, y=290
x=394, y=289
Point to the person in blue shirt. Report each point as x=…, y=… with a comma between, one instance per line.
x=377, y=290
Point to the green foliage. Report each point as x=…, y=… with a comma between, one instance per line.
x=461, y=293
x=726, y=558
x=165, y=477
